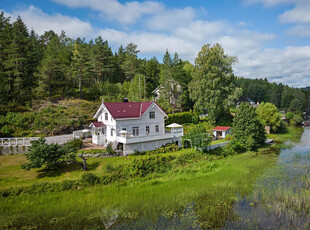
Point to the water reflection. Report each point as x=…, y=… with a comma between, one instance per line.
x=281, y=198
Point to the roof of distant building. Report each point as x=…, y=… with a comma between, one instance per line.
x=221, y=128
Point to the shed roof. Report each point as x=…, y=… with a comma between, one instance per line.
x=221, y=128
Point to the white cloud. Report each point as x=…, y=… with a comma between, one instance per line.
x=188, y=40
x=166, y=28
x=126, y=13
x=299, y=31
x=35, y=19
x=299, y=14
x=168, y=19
x=289, y=66
x=269, y=3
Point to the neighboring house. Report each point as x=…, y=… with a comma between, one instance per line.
x=248, y=100
x=133, y=126
x=221, y=131
x=171, y=92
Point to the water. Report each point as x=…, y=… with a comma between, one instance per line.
x=281, y=197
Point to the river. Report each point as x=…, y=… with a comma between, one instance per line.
x=281, y=197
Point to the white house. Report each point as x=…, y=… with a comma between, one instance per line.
x=133, y=126
x=221, y=131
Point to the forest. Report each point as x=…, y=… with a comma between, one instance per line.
x=52, y=67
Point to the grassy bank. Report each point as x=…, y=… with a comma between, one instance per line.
x=291, y=133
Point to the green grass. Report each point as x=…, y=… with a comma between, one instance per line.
x=289, y=134
x=210, y=186
x=11, y=174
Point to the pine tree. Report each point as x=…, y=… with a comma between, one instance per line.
x=172, y=81
x=49, y=71
x=17, y=62
x=81, y=66
x=101, y=60
x=130, y=63
x=5, y=40
x=34, y=58
x=152, y=70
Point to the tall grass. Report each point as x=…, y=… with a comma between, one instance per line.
x=211, y=186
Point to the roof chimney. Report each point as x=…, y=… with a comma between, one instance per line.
x=125, y=99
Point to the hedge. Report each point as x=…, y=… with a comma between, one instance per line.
x=182, y=118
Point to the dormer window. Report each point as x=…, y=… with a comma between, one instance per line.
x=106, y=116
x=152, y=115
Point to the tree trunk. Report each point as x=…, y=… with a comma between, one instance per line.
x=84, y=162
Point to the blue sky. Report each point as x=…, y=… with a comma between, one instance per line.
x=270, y=38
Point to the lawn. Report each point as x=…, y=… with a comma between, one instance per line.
x=210, y=186
x=188, y=194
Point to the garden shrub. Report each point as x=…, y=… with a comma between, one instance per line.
x=110, y=150
x=90, y=178
x=73, y=145
x=228, y=137
x=168, y=148
x=142, y=167
x=234, y=147
x=188, y=157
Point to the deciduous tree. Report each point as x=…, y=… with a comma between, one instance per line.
x=199, y=137
x=269, y=115
x=212, y=86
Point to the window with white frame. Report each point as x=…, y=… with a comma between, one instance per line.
x=157, y=128
x=147, y=129
x=111, y=132
x=135, y=131
x=152, y=114
x=106, y=116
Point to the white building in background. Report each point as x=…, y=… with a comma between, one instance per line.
x=221, y=132
x=133, y=126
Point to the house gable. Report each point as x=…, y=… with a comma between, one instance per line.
x=155, y=107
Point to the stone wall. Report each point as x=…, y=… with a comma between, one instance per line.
x=13, y=150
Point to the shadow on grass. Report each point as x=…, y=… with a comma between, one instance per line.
x=282, y=131
x=64, y=168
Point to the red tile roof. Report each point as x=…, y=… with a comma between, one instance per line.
x=221, y=128
x=120, y=110
x=98, y=124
